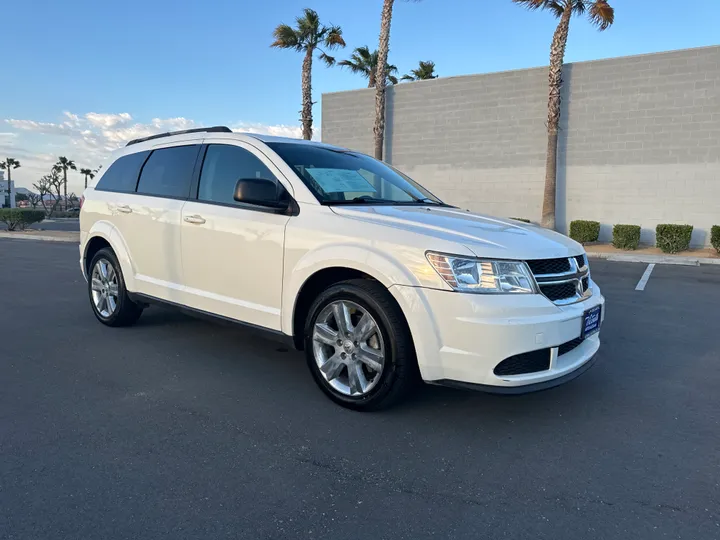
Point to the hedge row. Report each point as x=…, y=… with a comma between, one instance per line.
x=15, y=218
x=670, y=238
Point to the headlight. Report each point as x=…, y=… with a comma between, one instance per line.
x=464, y=274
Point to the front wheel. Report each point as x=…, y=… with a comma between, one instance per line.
x=358, y=346
x=108, y=297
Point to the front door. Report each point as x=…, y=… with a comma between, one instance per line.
x=233, y=252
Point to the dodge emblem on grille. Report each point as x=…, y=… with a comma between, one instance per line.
x=580, y=288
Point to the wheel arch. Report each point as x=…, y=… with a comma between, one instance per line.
x=104, y=234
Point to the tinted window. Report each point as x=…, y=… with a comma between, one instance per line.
x=122, y=175
x=223, y=166
x=339, y=176
x=168, y=172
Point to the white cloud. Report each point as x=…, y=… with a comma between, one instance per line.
x=89, y=139
x=106, y=120
x=279, y=130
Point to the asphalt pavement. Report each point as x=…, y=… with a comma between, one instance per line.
x=183, y=428
x=58, y=224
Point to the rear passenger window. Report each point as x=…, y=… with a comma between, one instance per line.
x=223, y=166
x=122, y=175
x=168, y=172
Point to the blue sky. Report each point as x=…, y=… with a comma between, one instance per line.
x=82, y=76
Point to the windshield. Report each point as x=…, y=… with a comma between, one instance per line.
x=338, y=176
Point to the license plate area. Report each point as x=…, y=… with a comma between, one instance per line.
x=591, y=322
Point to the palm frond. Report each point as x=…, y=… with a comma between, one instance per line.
x=334, y=37
x=393, y=79
x=354, y=66
x=308, y=25
x=555, y=6
x=329, y=60
x=407, y=78
x=286, y=38
x=601, y=14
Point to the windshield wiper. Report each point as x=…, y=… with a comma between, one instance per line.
x=360, y=200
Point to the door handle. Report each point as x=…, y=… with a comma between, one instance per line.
x=196, y=220
x=124, y=208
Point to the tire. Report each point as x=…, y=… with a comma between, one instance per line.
x=125, y=311
x=391, y=340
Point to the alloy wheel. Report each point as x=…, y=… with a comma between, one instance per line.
x=348, y=348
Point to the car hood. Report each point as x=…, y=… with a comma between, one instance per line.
x=484, y=235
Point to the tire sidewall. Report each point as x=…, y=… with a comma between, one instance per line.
x=109, y=255
x=355, y=294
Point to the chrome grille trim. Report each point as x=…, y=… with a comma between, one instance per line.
x=576, y=276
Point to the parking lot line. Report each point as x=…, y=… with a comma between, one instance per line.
x=644, y=279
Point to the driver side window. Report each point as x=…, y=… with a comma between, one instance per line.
x=223, y=166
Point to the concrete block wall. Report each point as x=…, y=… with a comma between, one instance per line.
x=639, y=144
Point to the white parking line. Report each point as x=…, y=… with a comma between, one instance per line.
x=644, y=279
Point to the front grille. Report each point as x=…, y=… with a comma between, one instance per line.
x=519, y=364
x=549, y=266
x=560, y=291
x=561, y=279
x=569, y=346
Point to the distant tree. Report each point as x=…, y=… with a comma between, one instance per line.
x=20, y=197
x=424, y=71
x=88, y=173
x=62, y=165
x=34, y=199
x=601, y=15
x=363, y=62
x=73, y=200
x=8, y=165
x=308, y=36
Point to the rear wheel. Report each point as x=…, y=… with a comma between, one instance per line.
x=358, y=346
x=108, y=297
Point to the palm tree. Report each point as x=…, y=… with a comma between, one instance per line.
x=601, y=15
x=364, y=62
x=425, y=71
x=63, y=164
x=88, y=173
x=8, y=165
x=308, y=36
x=381, y=76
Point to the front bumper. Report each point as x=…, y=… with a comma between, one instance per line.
x=461, y=338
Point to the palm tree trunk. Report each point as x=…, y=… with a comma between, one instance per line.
x=65, y=187
x=9, y=189
x=381, y=78
x=306, y=115
x=86, y=181
x=557, y=55
x=371, y=79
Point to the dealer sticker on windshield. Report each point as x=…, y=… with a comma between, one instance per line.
x=340, y=180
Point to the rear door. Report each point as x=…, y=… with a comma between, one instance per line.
x=151, y=225
x=233, y=252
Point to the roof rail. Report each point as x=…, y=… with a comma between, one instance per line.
x=214, y=129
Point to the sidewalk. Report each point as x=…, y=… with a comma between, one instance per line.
x=644, y=254
x=48, y=236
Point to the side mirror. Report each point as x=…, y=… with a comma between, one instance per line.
x=258, y=191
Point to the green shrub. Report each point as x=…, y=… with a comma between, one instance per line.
x=584, y=231
x=520, y=219
x=20, y=217
x=715, y=237
x=626, y=236
x=673, y=238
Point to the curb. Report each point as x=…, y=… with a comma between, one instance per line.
x=43, y=238
x=656, y=259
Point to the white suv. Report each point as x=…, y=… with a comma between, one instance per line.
x=368, y=272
